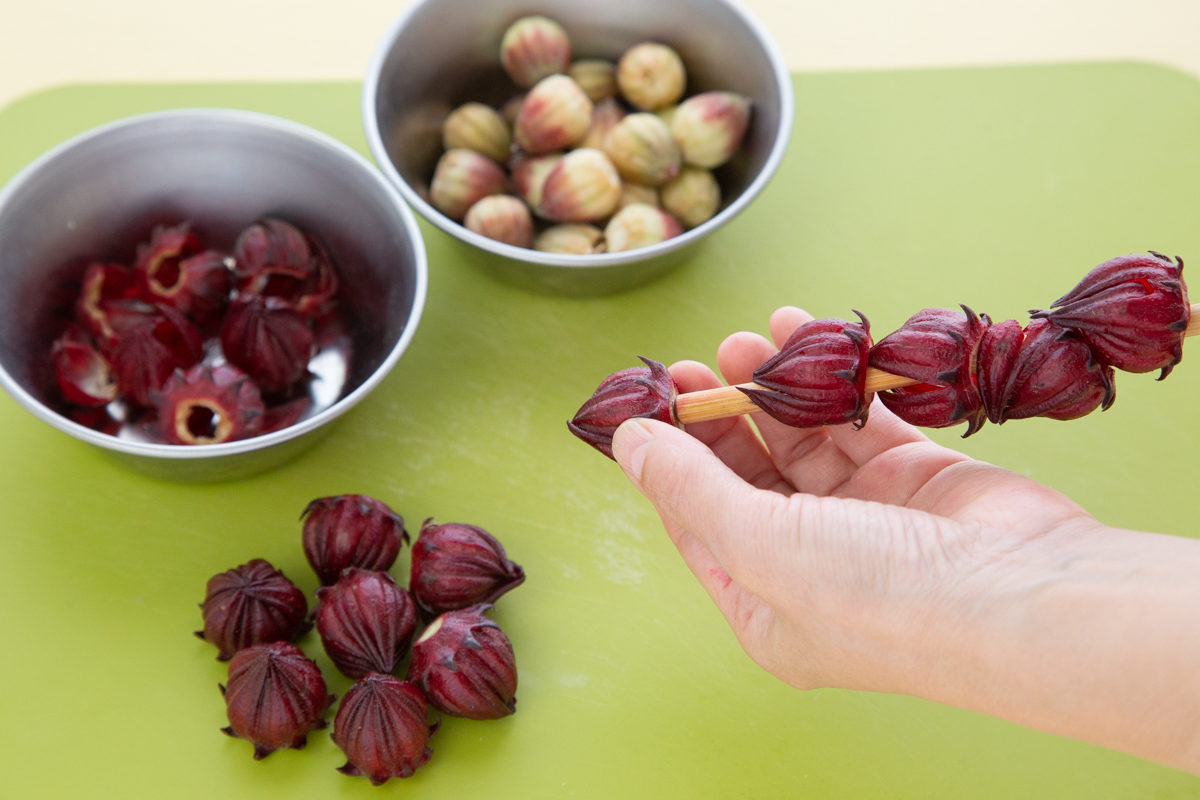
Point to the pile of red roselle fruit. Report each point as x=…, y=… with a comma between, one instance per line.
x=609, y=156
x=191, y=345
x=462, y=664
x=1130, y=313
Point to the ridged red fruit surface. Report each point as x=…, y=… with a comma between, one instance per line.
x=465, y=666
x=455, y=566
x=366, y=622
x=249, y=605
x=274, y=697
x=350, y=530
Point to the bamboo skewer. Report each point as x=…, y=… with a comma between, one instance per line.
x=727, y=401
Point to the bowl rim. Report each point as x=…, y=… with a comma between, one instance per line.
x=235, y=118
x=783, y=79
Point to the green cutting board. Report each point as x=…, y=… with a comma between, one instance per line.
x=994, y=187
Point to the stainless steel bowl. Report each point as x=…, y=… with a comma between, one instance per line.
x=441, y=53
x=100, y=193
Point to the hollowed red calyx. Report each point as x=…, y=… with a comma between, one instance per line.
x=209, y=405
x=148, y=354
x=1132, y=310
x=819, y=376
x=648, y=392
x=455, y=566
x=1042, y=371
x=267, y=340
x=366, y=622
x=197, y=285
x=274, y=696
x=83, y=374
x=276, y=259
x=159, y=263
x=383, y=728
x=350, y=530
x=251, y=604
x=936, y=347
x=103, y=286
x=465, y=666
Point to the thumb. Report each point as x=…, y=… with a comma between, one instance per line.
x=693, y=488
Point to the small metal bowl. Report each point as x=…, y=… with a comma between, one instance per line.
x=441, y=53
x=97, y=195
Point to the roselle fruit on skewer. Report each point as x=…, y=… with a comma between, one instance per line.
x=1133, y=312
x=350, y=530
x=818, y=377
x=455, y=566
x=936, y=347
x=274, y=697
x=249, y=605
x=465, y=666
x=366, y=622
x=382, y=726
x=1041, y=371
x=647, y=391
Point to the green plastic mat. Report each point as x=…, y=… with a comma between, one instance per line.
x=994, y=187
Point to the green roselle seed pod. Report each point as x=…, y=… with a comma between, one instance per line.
x=597, y=77
x=477, y=127
x=534, y=48
x=642, y=150
x=555, y=115
x=693, y=197
x=639, y=225
x=502, y=218
x=463, y=178
x=583, y=187
x=651, y=76
x=710, y=127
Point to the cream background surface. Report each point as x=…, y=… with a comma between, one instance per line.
x=53, y=42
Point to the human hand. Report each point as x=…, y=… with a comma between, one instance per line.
x=878, y=560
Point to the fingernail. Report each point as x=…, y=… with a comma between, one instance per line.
x=629, y=447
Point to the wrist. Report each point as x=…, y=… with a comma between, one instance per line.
x=1084, y=631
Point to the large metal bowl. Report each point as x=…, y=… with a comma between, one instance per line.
x=100, y=193
x=441, y=53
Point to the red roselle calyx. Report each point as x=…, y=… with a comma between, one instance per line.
x=268, y=340
x=350, y=530
x=819, y=377
x=465, y=666
x=1043, y=371
x=209, y=405
x=382, y=726
x=104, y=285
x=1133, y=311
x=456, y=565
x=274, y=697
x=647, y=392
x=251, y=604
x=275, y=259
x=84, y=375
x=366, y=622
x=148, y=354
x=173, y=270
x=936, y=347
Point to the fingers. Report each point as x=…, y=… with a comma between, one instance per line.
x=731, y=439
x=697, y=491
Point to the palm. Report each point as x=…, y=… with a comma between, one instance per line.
x=904, y=506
